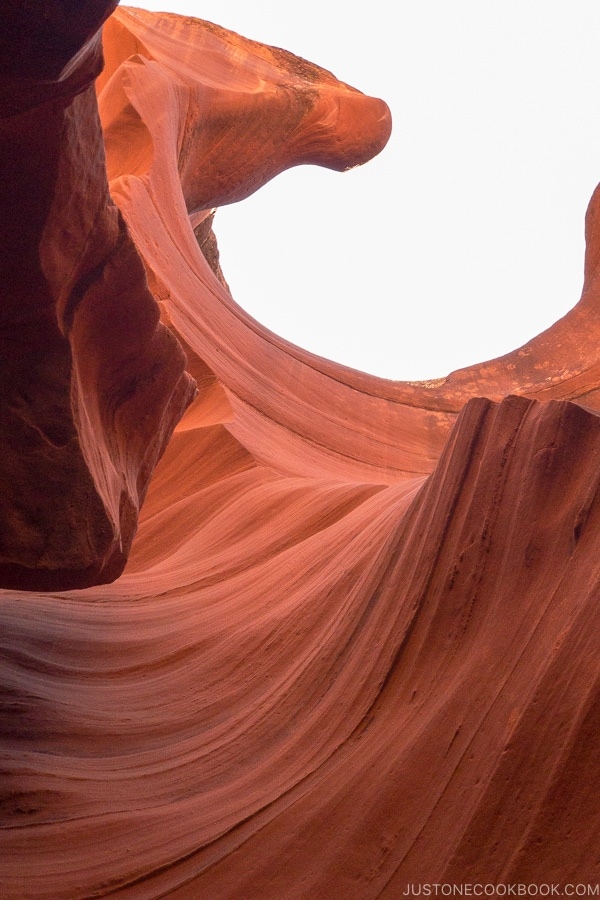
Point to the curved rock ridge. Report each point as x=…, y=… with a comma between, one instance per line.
x=92, y=382
x=315, y=687
x=356, y=646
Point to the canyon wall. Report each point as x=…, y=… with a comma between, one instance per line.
x=355, y=645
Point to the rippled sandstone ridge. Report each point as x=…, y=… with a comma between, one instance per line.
x=355, y=646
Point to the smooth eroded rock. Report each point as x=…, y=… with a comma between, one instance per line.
x=355, y=647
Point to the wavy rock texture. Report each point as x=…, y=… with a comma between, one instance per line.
x=356, y=644
x=92, y=382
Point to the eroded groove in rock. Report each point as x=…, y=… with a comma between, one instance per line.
x=356, y=645
x=92, y=383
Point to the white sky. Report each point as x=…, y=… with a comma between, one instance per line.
x=465, y=237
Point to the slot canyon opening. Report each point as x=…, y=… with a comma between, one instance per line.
x=464, y=238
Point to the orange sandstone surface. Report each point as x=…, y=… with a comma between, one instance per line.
x=355, y=646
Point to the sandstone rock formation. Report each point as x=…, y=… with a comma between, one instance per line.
x=356, y=644
x=92, y=382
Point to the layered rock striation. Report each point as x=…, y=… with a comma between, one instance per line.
x=92, y=382
x=355, y=647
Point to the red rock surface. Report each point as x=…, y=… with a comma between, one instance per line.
x=356, y=645
x=92, y=382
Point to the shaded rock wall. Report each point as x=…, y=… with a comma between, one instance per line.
x=356, y=644
x=93, y=384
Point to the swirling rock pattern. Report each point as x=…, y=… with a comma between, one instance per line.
x=356, y=644
x=92, y=382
